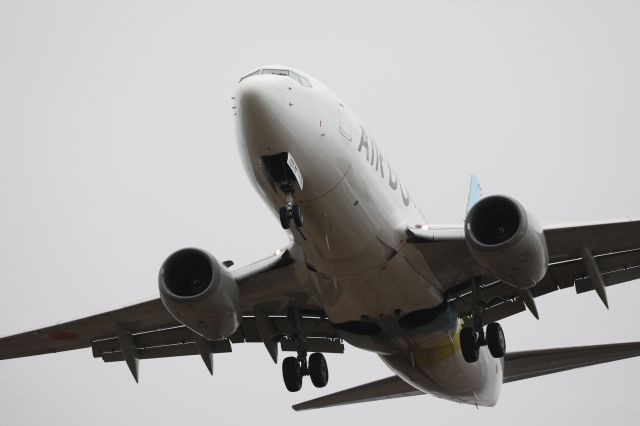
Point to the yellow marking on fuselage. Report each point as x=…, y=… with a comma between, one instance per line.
x=438, y=349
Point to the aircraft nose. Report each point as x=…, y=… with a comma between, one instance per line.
x=261, y=99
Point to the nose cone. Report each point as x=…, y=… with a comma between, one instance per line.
x=261, y=99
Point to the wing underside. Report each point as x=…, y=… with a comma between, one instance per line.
x=147, y=330
x=528, y=364
x=268, y=289
x=614, y=249
x=517, y=366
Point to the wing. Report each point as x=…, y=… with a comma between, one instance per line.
x=391, y=387
x=268, y=288
x=528, y=364
x=517, y=366
x=614, y=249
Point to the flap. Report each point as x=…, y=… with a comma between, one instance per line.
x=503, y=300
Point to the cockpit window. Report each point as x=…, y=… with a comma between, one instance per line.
x=249, y=75
x=276, y=72
x=287, y=73
x=295, y=76
x=305, y=82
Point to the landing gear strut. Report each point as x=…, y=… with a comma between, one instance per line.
x=290, y=211
x=295, y=368
x=472, y=338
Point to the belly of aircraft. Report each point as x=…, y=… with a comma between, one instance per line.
x=440, y=370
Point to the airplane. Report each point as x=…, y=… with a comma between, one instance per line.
x=363, y=266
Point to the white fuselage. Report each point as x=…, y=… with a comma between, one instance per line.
x=353, y=242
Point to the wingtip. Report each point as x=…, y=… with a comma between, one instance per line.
x=306, y=405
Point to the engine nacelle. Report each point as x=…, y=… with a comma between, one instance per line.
x=200, y=293
x=508, y=241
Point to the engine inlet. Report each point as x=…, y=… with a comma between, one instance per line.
x=187, y=273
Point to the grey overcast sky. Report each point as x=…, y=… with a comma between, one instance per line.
x=117, y=147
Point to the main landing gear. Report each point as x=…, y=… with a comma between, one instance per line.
x=472, y=338
x=295, y=368
x=290, y=211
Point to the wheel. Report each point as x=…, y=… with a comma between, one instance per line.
x=291, y=374
x=469, y=344
x=495, y=340
x=284, y=218
x=318, y=370
x=298, y=219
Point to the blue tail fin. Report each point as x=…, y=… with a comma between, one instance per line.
x=475, y=192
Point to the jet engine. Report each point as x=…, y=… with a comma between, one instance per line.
x=507, y=240
x=200, y=293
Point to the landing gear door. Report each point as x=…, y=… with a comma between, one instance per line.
x=295, y=170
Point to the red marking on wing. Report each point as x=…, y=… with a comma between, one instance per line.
x=62, y=335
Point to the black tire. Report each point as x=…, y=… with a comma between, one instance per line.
x=469, y=344
x=495, y=340
x=291, y=374
x=284, y=218
x=298, y=219
x=318, y=370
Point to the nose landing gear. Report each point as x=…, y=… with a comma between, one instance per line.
x=290, y=211
x=472, y=338
x=283, y=171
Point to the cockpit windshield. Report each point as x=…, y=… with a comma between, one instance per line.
x=286, y=73
x=274, y=71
